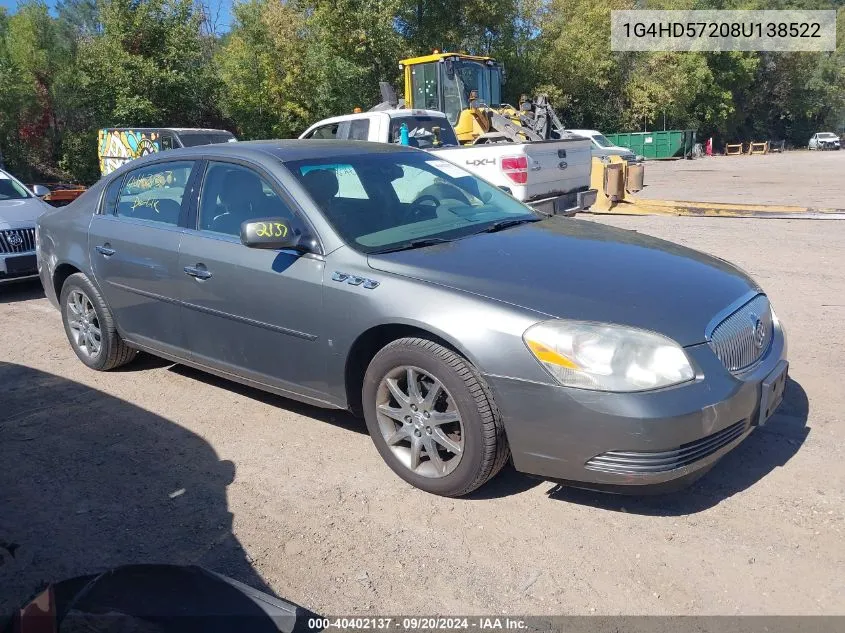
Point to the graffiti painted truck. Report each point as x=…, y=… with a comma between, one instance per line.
x=118, y=145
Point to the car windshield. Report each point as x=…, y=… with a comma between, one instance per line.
x=388, y=201
x=601, y=141
x=192, y=139
x=424, y=132
x=11, y=189
x=827, y=135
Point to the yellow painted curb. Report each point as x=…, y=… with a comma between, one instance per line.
x=640, y=206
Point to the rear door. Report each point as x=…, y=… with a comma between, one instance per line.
x=134, y=249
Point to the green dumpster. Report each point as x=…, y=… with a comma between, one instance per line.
x=662, y=144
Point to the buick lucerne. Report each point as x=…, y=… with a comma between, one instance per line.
x=466, y=328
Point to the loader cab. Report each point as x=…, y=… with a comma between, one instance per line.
x=452, y=83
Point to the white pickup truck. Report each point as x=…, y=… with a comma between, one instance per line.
x=552, y=176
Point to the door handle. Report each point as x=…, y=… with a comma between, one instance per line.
x=199, y=273
x=105, y=250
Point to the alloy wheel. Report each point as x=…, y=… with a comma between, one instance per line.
x=420, y=422
x=84, y=324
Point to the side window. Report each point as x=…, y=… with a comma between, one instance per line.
x=110, y=197
x=326, y=131
x=155, y=193
x=233, y=194
x=359, y=130
x=167, y=142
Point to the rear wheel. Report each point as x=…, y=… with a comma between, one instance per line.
x=89, y=326
x=432, y=417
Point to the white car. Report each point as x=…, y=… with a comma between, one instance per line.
x=824, y=140
x=19, y=208
x=601, y=146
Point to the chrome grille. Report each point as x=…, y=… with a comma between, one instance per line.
x=742, y=338
x=635, y=462
x=17, y=240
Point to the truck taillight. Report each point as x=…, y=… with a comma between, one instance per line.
x=515, y=168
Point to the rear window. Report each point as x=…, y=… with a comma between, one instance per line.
x=192, y=139
x=359, y=130
x=155, y=192
x=423, y=131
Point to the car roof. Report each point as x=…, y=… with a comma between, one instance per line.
x=282, y=150
x=587, y=132
x=401, y=112
x=393, y=114
x=178, y=130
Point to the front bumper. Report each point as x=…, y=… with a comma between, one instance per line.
x=17, y=267
x=668, y=435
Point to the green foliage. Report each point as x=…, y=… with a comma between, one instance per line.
x=287, y=63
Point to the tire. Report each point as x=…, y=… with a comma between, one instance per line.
x=112, y=351
x=479, y=431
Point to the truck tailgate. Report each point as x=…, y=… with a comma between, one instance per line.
x=557, y=166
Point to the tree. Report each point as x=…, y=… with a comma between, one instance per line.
x=576, y=65
x=32, y=59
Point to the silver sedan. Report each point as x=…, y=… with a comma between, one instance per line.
x=19, y=208
x=466, y=328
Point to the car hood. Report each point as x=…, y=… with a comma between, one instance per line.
x=579, y=269
x=17, y=214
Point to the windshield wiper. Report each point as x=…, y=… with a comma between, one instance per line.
x=418, y=243
x=506, y=224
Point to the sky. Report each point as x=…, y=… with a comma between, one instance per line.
x=221, y=8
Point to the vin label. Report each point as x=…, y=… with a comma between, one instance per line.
x=776, y=31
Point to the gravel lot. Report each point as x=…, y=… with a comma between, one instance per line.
x=163, y=463
x=799, y=178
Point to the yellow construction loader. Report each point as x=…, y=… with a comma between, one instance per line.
x=468, y=89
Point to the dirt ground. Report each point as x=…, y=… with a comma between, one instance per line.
x=799, y=178
x=159, y=463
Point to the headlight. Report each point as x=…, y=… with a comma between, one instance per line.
x=607, y=357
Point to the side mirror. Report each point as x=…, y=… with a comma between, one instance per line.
x=269, y=233
x=40, y=191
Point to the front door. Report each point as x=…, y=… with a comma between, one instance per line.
x=134, y=249
x=251, y=312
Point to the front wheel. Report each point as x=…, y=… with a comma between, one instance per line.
x=433, y=418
